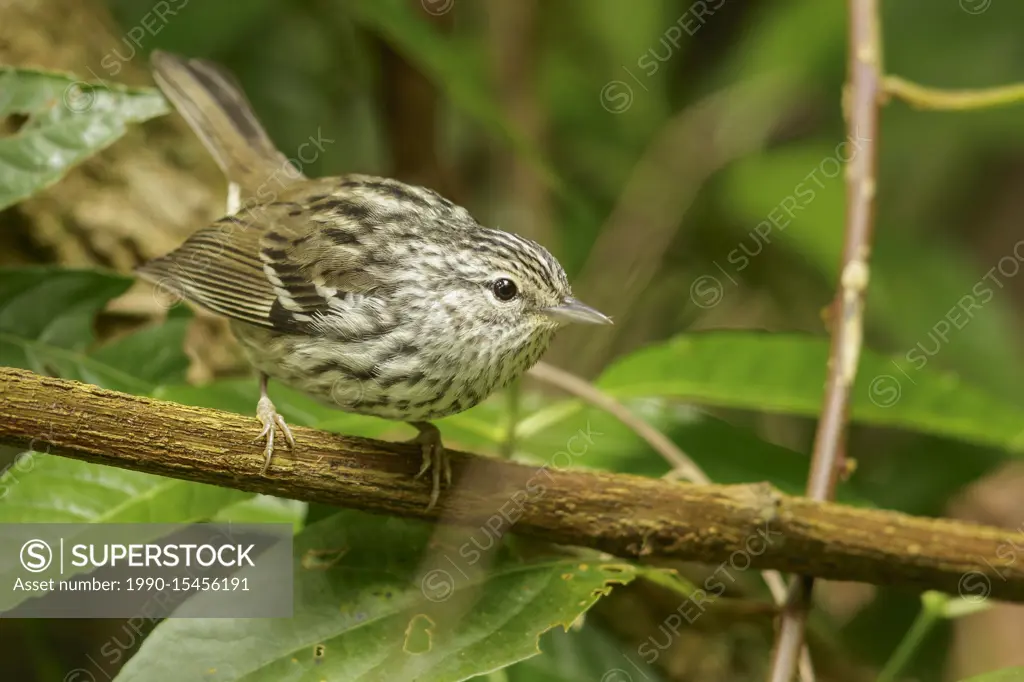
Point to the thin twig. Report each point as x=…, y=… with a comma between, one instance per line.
x=861, y=100
x=628, y=516
x=683, y=467
x=923, y=97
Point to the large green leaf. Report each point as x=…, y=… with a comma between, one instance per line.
x=361, y=613
x=46, y=325
x=786, y=373
x=68, y=121
x=42, y=488
x=588, y=655
x=591, y=438
x=264, y=509
x=154, y=354
x=924, y=489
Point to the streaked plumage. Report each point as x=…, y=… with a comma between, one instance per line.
x=375, y=296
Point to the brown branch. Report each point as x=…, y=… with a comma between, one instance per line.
x=682, y=466
x=861, y=100
x=628, y=516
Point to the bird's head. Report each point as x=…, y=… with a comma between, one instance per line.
x=509, y=289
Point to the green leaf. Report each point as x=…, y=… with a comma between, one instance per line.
x=42, y=488
x=155, y=354
x=361, y=614
x=264, y=509
x=786, y=374
x=46, y=325
x=589, y=655
x=591, y=438
x=924, y=489
x=568, y=433
x=68, y=121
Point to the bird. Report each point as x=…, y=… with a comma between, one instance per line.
x=368, y=294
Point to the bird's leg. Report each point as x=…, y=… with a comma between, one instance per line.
x=268, y=416
x=435, y=459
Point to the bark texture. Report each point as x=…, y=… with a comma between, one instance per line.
x=624, y=515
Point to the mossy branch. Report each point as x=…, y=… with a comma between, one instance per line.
x=628, y=516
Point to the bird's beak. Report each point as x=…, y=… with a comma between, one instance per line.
x=571, y=310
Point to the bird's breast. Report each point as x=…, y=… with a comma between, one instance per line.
x=405, y=376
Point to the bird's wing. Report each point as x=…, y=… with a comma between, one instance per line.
x=297, y=265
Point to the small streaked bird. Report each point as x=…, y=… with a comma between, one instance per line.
x=375, y=296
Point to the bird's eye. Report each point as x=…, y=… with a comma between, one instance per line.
x=504, y=289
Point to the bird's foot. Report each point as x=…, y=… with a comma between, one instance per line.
x=268, y=416
x=435, y=459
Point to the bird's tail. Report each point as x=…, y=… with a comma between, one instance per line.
x=213, y=104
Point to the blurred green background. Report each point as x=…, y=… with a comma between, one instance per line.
x=647, y=144
x=543, y=118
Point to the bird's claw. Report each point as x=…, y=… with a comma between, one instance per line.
x=435, y=460
x=268, y=416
